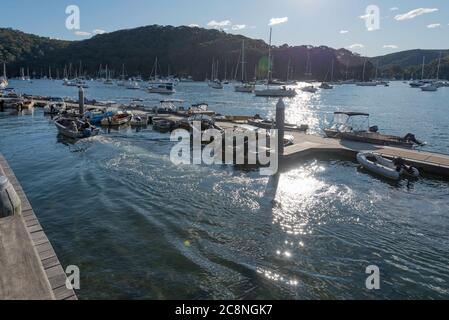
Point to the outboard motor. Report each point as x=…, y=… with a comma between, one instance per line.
x=374, y=129
x=410, y=137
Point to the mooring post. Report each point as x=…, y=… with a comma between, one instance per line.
x=81, y=100
x=10, y=203
x=280, y=123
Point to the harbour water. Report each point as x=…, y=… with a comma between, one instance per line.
x=139, y=227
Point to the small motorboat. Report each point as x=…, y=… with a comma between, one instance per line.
x=28, y=104
x=95, y=117
x=163, y=125
x=391, y=169
x=75, y=128
x=367, y=84
x=269, y=124
x=429, y=88
x=276, y=92
x=326, y=86
x=310, y=89
x=355, y=126
x=132, y=85
x=139, y=120
x=118, y=119
x=245, y=88
x=55, y=106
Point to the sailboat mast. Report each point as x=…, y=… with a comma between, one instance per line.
x=364, y=68
x=423, y=63
x=269, y=58
x=332, y=71
x=243, y=61
x=438, y=68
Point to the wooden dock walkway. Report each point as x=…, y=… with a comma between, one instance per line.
x=30, y=269
x=306, y=145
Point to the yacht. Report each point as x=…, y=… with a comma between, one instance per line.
x=277, y=91
x=108, y=80
x=133, y=85
x=4, y=80
x=422, y=82
x=215, y=84
x=162, y=88
x=244, y=87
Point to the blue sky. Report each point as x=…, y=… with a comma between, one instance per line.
x=336, y=23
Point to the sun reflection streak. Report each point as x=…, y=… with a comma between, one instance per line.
x=302, y=110
x=298, y=196
x=276, y=277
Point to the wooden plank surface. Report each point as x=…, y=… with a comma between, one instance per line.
x=30, y=267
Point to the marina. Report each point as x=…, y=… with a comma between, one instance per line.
x=226, y=159
x=132, y=163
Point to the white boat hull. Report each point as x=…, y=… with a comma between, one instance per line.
x=275, y=93
x=383, y=166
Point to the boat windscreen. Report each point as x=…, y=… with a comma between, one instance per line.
x=353, y=121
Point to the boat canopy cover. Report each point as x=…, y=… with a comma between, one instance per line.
x=352, y=114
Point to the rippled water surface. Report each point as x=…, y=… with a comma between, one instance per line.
x=140, y=227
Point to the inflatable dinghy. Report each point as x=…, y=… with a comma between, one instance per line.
x=391, y=169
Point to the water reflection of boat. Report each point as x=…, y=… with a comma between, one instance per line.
x=75, y=128
x=355, y=126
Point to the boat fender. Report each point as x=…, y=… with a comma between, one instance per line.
x=10, y=203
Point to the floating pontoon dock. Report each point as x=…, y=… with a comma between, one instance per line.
x=30, y=269
x=306, y=145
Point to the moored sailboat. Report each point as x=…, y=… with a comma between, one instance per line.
x=273, y=92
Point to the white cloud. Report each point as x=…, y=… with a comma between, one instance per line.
x=218, y=24
x=275, y=21
x=414, y=13
x=356, y=46
x=238, y=27
x=344, y=31
x=394, y=9
x=194, y=25
x=434, y=25
x=390, y=46
x=82, y=33
x=99, y=31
